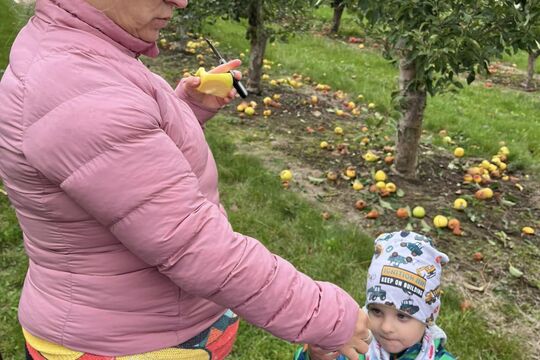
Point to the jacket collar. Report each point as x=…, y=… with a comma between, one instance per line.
x=81, y=15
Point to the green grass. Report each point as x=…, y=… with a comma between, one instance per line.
x=13, y=265
x=287, y=225
x=12, y=17
x=479, y=117
x=521, y=59
x=294, y=229
x=348, y=26
x=13, y=262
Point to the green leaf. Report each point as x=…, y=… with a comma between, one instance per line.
x=515, y=272
x=316, y=181
x=425, y=227
x=385, y=204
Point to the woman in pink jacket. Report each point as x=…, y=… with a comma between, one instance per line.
x=115, y=190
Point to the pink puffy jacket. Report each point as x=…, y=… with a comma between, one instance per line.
x=115, y=190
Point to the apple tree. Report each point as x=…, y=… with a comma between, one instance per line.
x=528, y=35
x=338, y=7
x=433, y=43
x=267, y=20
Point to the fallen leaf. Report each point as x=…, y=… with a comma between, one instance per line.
x=316, y=181
x=515, y=272
x=386, y=204
x=473, y=287
x=425, y=227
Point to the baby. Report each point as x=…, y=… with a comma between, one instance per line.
x=402, y=300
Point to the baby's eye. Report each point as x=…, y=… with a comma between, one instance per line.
x=403, y=317
x=375, y=311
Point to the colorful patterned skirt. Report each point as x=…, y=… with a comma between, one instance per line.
x=215, y=343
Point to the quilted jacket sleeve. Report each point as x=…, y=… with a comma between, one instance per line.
x=115, y=161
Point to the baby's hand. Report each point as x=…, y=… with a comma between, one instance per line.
x=316, y=353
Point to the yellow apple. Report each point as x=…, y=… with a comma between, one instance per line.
x=440, y=221
x=419, y=212
x=459, y=152
x=380, y=176
x=357, y=185
x=460, y=204
x=286, y=175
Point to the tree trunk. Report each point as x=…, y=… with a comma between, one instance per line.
x=533, y=55
x=258, y=39
x=338, y=6
x=412, y=105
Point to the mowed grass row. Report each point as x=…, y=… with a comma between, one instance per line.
x=476, y=117
x=330, y=251
x=12, y=17
x=349, y=27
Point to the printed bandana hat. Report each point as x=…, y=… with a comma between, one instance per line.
x=405, y=272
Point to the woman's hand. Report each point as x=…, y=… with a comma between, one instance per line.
x=316, y=353
x=359, y=342
x=189, y=87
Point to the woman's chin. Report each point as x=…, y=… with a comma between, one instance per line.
x=149, y=36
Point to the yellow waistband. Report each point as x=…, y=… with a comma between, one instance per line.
x=52, y=351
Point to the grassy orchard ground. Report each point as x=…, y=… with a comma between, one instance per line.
x=470, y=115
x=13, y=261
x=12, y=17
x=492, y=227
x=287, y=223
x=521, y=61
x=350, y=27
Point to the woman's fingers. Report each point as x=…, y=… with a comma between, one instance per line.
x=192, y=81
x=361, y=346
x=350, y=353
x=228, y=66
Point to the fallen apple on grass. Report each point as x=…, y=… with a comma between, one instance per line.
x=459, y=152
x=331, y=176
x=527, y=230
x=460, y=204
x=350, y=172
x=478, y=256
x=380, y=176
x=391, y=187
x=357, y=185
x=373, y=214
x=360, y=204
x=440, y=221
x=249, y=111
x=419, y=212
x=286, y=175
x=484, y=194
x=402, y=213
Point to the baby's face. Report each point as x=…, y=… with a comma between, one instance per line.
x=393, y=329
